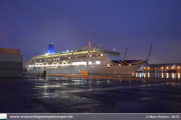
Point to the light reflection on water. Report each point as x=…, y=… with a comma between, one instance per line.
x=63, y=90
x=59, y=86
x=173, y=75
x=158, y=75
x=179, y=75
x=155, y=75
x=167, y=75
x=106, y=88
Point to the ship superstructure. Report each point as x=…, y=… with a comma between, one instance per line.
x=94, y=60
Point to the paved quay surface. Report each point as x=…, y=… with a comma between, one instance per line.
x=88, y=95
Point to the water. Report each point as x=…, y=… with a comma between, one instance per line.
x=151, y=75
x=32, y=94
x=174, y=76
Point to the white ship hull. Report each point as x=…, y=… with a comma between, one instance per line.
x=92, y=69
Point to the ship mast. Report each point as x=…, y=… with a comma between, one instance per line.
x=89, y=46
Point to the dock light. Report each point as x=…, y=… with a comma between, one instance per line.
x=162, y=67
x=167, y=67
x=172, y=67
x=178, y=66
x=114, y=49
x=67, y=50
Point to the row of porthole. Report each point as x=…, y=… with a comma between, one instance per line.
x=62, y=62
x=53, y=63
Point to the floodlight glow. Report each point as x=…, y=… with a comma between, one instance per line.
x=98, y=62
x=31, y=65
x=78, y=63
x=90, y=63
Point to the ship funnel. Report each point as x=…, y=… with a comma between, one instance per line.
x=50, y=48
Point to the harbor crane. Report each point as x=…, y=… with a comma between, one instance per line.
x=125, y=53
x=149, y=54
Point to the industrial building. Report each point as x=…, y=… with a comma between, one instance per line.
x=164, y=67
x=11, y=62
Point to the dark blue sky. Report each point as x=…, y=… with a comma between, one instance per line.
x=30, y=25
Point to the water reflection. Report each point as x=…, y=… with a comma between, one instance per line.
x=55, y=89
x=143, y=81
x=155, y=75
x=173, y=75
x=158, y=75
x=136, y=74
x=167, y=75
x=77, y=80
x=108, y=81
x=140, y=75
x=65, y=90
x=179, y=75
x=162, y=75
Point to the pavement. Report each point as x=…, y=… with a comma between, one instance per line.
x=55, y=94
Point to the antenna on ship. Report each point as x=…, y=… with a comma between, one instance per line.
x=90, y=43
x=125, y=53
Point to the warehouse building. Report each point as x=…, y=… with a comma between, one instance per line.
x=11, y=62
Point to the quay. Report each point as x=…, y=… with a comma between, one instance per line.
x=34, y=94
x=116, y=78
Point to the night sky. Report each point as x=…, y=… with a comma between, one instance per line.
x=30, y=25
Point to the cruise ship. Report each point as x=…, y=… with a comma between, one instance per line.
x=95, y=61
